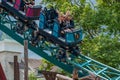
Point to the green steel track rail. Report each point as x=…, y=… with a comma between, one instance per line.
x=103, y=71
x=84, y=63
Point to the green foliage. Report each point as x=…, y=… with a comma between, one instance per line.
x=104, y=49
x=110, y=14
x=45, y=65
x=32, y=76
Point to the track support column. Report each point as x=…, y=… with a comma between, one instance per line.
x=26, y=59
x=16, y=69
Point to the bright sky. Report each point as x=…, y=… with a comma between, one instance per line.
x=37, y=2
x=33, y=55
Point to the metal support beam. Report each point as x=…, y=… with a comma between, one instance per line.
x=16, y=69
x=26, y=59
x=49, y=75
x=75, y=74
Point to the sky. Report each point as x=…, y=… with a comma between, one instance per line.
x=32, y=55
x=37, y=2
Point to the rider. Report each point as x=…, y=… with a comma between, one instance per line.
x=24, y=4
x=51, y=15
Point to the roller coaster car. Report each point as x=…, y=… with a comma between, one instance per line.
x=71, y=38
x=31, y=13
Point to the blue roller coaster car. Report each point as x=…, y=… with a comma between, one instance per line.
x=70, y=38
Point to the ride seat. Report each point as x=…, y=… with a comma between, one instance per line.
x=50, y=15
x=42, y=21
x=49, y=21
x=56, y=29
x=74, y=36
x=17, y=4
x=33, y=11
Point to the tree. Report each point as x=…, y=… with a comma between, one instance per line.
x=47, y=66
x=32, y=76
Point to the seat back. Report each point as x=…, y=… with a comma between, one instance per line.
x=17, y=4
x=42, y=21
x=69, y=37
x=29, y=12
x=33, y=12
x=56, y=29
x=52, y=14
x=74, y=36
x=37, y=11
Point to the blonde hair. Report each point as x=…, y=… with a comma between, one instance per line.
x=68, y=13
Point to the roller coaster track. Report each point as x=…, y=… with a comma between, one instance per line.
x=85, y=64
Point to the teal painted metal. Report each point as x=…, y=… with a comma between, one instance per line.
x=97, y=68
x=38, y=50
x=56, y=28
x=72, y=37
x=42, y=21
